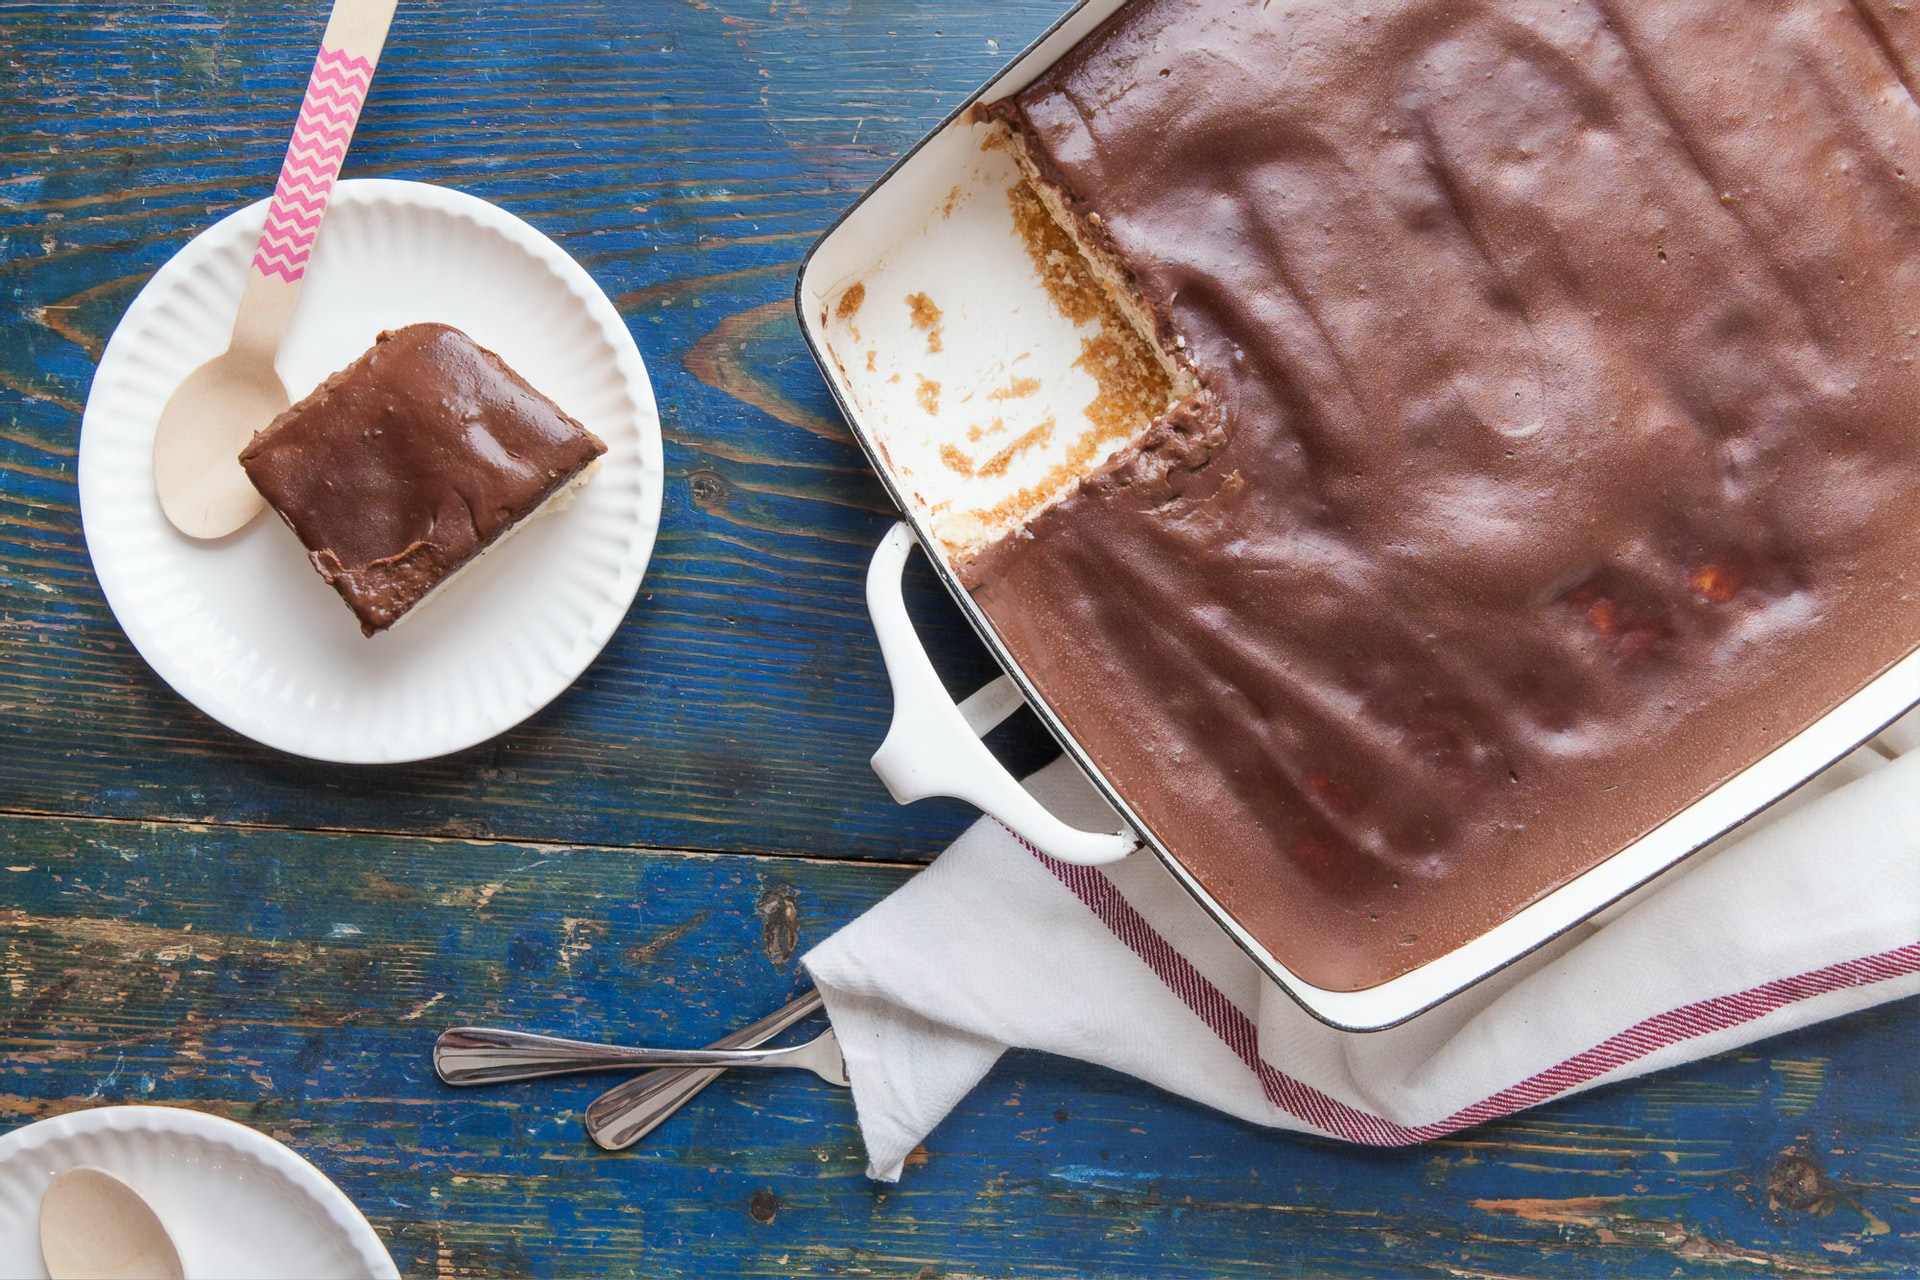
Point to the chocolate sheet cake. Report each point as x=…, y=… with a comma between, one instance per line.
x=410, y=462
x=1555, y=451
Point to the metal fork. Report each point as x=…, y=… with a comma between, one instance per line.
x=634, y=1108
x=483, y=1055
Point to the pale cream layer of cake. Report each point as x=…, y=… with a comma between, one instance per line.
x=561, y=500
x=1001, y=369
x=1560, y=457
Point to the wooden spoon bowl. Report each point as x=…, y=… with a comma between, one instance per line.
x=213, y=414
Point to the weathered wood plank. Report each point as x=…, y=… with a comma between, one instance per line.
x=687, y=154
x=295, y=982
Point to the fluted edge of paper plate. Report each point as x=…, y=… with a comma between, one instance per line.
x=134, y=1141
x=187, y=633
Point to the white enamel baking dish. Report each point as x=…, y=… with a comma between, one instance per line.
x=937, y=225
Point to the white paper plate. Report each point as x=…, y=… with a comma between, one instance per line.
x=242, y=626
x=236, y=1202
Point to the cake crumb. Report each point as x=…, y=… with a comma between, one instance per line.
x=870, y=356
x=850, y=301
x=1133, y=391
x=998, y=463
x=925, y=316
x=980, y=525
x=1056, y=259
x=1133, y=387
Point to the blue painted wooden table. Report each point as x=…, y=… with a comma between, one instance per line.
x=186, y=918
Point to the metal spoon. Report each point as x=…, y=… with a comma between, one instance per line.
x=634, y=1108
x=213, y=414
x=482, y=1055
x=95, y=1227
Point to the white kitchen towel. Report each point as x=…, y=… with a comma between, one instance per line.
x=1811, y=912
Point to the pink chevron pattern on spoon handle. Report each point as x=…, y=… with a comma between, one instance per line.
x=331, y=108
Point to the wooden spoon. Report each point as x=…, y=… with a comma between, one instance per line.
x=214, y=413
x=95, y=1227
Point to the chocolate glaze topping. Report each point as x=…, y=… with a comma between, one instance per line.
x=411, y=461
x=1559, y=448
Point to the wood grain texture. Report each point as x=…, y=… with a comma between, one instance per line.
x=282, y=941
x=686, y=154
x=295, y=982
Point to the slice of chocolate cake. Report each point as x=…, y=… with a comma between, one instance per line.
x=1554, y=452
x=410, y=462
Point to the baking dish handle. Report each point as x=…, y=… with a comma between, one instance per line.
x=933, y=747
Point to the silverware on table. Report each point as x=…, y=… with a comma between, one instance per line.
x=483, y=1055
x=631, y=1110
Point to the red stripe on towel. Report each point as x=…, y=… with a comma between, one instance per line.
x=1308, y=1104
